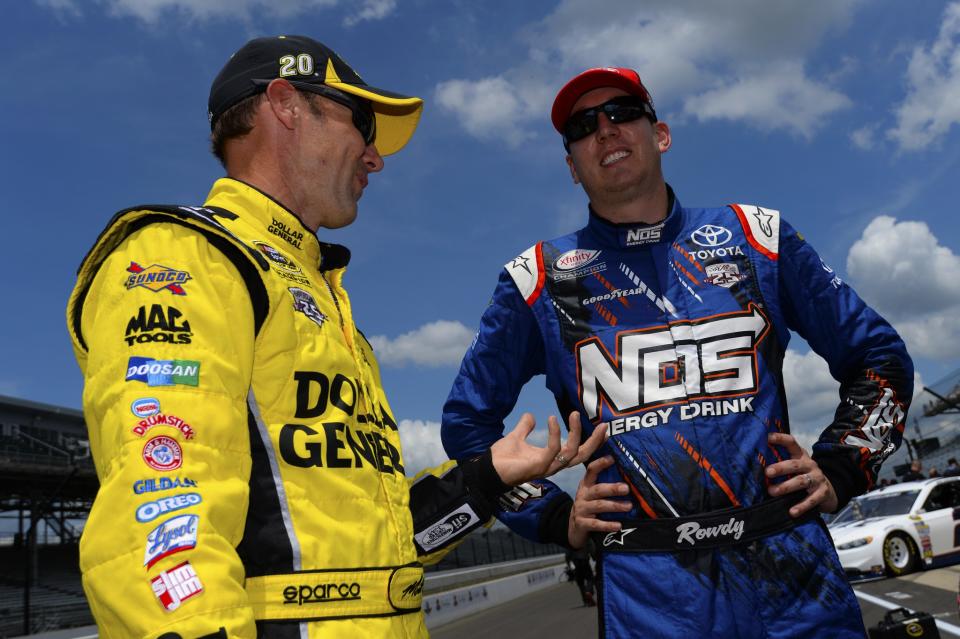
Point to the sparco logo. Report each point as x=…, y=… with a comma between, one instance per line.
x=692, y=532
x=688, y=359
x=321, y=593
x=575, y=259
x=157, y=325
x=710, y=235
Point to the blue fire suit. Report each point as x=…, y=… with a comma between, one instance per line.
x=672, y=337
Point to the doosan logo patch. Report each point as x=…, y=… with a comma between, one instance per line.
x=163, y=372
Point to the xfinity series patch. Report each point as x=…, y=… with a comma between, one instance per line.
x=445, y=530
x=156, y=278
x=173, y=587
x=162, y=453
x=153, y=509
x=172, y=536
x=163, y=372
x=577, y=263
x=304, y=303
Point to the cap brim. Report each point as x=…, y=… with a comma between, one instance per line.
x=584, y=83
x=397, y=115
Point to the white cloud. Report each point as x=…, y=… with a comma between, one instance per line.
x=420, y=442
x=812, y=395
x=778, y=96
x=440, y=343
x=679, y=47
x=61, y=7
x=371, y=10
x=901, y=269
x=151, y=11
x=932, y=105
x=494, y=107
x=864, y=137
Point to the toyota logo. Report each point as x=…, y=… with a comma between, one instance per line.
x=709, y=235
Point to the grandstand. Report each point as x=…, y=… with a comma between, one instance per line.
x=48, y=484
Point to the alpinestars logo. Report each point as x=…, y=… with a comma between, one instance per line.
x=688, y=359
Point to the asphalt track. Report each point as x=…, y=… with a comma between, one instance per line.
x=557, y=612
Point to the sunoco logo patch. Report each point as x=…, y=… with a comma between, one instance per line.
x=157, y=277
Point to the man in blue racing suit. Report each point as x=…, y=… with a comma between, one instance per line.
x=667, y=327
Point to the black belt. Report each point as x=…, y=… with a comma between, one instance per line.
x=717, y=529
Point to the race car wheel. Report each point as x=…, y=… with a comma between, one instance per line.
x=899, y=555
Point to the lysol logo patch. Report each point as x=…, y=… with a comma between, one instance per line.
x=152, y=509
x=162, y=419
x=172, y=536
x=173, y=587
x=163, y=372
x=145, y=406
x=577, y=258
x=304, y=303
x=162, y=453
x=692, y=532
x=157, y=277
x=446, y=529
x=710, y=235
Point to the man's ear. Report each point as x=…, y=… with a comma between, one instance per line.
x=573, y=170
x=662, y=134
x=284, y=102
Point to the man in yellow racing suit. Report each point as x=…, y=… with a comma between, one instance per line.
x=252, y=481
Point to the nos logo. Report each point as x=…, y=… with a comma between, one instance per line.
x=689, y=359
x=159, y=324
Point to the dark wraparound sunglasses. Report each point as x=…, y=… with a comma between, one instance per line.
x=363, y=116
x=621, y=109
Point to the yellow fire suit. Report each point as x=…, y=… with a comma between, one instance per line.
x=251, y=477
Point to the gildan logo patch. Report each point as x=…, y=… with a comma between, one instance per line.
x=152, y=485
x=158, y=324
x=156, y=278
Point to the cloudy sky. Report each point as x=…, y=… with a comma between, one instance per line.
x=840, y=113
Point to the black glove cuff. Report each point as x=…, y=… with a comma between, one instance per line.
x=555, y=521
x=482, y=479
x=843, y=478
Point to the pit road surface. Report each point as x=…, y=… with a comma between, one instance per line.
x=557, y=612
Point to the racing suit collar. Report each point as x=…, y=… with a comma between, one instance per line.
x=631, y=234
x=277, y=220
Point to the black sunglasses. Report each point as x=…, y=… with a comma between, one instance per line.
x=363, y=116
x=621, y=109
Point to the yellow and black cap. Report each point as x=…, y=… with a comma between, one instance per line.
x=305, y=62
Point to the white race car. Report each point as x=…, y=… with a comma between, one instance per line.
x=900, y=528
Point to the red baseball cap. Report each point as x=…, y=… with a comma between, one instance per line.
x=617, y=77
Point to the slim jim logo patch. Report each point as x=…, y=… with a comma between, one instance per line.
x=157, y=277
